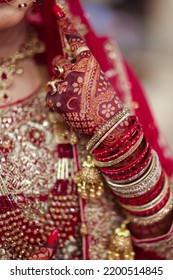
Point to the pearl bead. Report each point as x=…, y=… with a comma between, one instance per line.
x=23, y=5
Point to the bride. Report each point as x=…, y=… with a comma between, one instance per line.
x=80, y=175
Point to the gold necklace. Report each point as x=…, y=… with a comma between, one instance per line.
x=9, y=66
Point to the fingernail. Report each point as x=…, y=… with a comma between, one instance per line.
x=58, y=12
x=53, y=237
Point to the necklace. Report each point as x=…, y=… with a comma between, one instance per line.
x=9, y=66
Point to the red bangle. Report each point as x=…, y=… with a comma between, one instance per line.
x=105, y=151
x=152, y=211
x=118, y=147
x=145, y=162
x=133, y=174
x=126, y=166
x=124, y=149
x=131, y=158
x=145, y=198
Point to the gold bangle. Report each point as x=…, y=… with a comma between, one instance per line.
x=161, y=214
x=142, y=185
x=106, y=129
x=121, y=158
x=152, y=203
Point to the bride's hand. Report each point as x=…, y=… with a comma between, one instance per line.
x=80, y=91
x=46, y=252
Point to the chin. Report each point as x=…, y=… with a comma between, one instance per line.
x=10, y=16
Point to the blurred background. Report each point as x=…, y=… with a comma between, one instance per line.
x=143, y=30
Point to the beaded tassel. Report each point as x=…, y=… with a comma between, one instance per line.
x=89, y=181
x=120, y=247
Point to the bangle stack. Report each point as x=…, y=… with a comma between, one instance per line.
x=147, y=197
x=155, y=218
x=130, y=172
x=122, y=155
x=161, y=198
x=133, y=172
x=99, y=153
x=106, y=129
x=142, y=185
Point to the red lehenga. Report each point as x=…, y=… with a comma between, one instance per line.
x=40, y=155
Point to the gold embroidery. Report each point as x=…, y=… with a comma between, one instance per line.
x=163, y=247
x=101, y=220
x=30, y=168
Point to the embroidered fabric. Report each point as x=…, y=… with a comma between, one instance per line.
x=36, y=190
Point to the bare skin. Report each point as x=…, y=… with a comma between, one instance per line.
x=13, y=33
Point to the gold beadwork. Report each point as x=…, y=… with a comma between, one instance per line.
x=83, y=229
x=9, y=65
x=66, y=204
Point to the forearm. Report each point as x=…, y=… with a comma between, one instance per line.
x=133, y=172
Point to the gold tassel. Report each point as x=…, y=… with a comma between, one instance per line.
x=120, y=247
x=61, y=131
x=89, y=180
